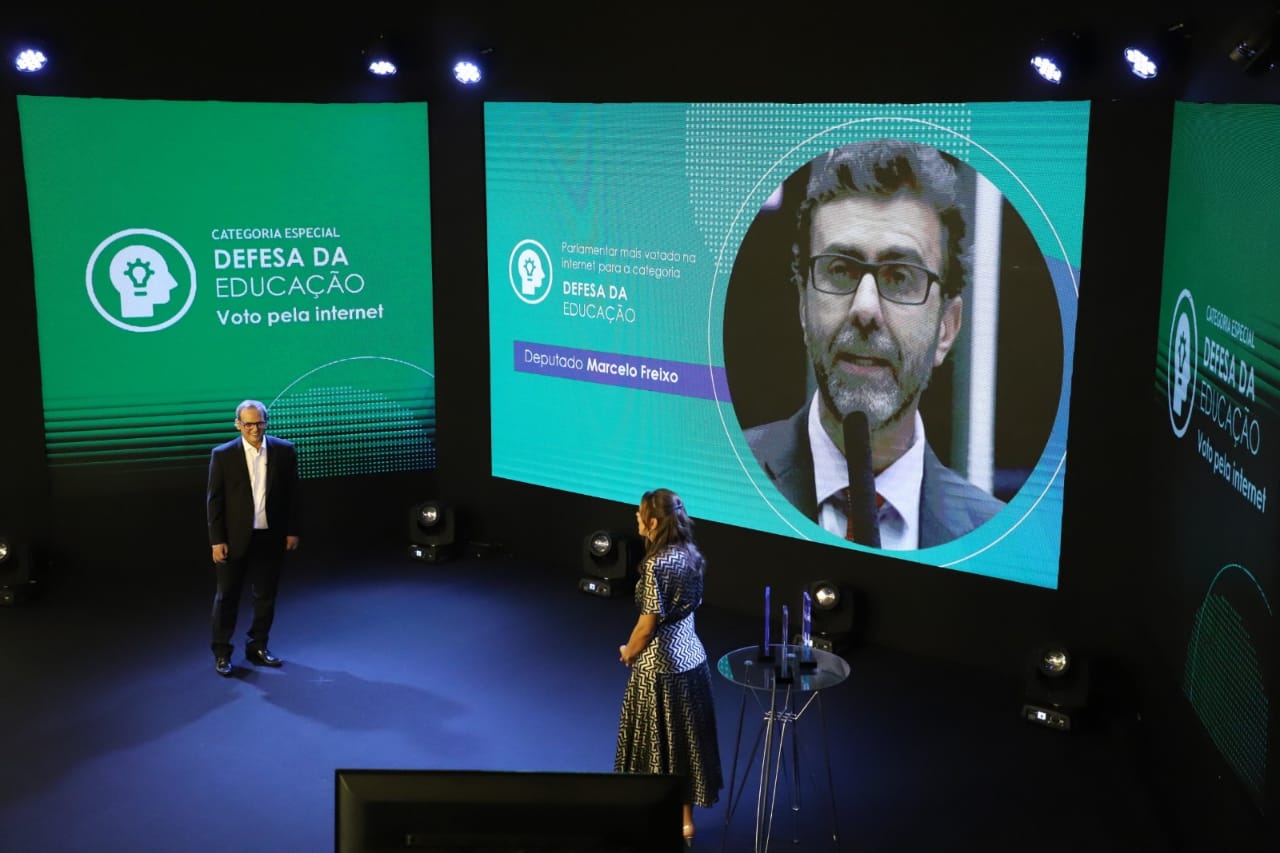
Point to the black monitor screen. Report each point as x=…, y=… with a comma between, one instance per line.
x=450, y=811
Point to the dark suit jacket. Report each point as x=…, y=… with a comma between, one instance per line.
x=229, y=499
x=950, y=506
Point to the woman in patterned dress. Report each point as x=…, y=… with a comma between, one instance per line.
x=668, y=722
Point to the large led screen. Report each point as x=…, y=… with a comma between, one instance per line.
x=785, y=310
x=189, y=255
x=1215, y=422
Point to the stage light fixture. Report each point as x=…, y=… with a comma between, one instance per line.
x=601, y=543
x=1140, y=65
x=1047, y=66
x=832, y=616
x=18, y=582
x=469, y=70
x=1062, y=57
x=1158, y=53
x=432, y=530
x=1057, y=687
x=1255, y=51
x=30, y=60
x=380, y=58
x=826, y=595
x=466, y=72
x=609, y=563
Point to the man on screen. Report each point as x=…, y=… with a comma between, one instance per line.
x=879, y=264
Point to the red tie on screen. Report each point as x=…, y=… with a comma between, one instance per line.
x=848, y=512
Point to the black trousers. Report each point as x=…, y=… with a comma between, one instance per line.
x=260, y=566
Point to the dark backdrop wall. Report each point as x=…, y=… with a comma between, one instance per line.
x=663, y=52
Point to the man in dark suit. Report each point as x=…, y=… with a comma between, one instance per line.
x=252, y=507
x=950, y=506
x=879, y=264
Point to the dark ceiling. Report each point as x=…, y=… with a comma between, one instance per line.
x=656, y=51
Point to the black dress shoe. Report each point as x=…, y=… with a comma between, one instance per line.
x=222, y=666
x=262, y=657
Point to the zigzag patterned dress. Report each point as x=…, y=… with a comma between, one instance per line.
x=668, y=722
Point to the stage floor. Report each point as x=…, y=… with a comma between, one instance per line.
x=120, y=736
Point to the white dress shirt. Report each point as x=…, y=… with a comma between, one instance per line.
x=899, y=485
x=256, y=459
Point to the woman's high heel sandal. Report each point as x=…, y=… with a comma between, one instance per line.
x=688, y=835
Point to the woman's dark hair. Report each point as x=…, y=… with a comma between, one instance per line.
x=674, y=528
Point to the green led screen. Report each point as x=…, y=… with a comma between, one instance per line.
x=189, y=255
x=1215, y=419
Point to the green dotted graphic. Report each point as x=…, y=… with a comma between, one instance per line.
x=1224, y=678
x=344, y=430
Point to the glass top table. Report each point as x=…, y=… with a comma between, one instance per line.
x=784, y=679
x=748, y=667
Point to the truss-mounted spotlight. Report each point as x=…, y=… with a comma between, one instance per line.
x=1048, y=66
x=1060, y=58
x=609, y=563
x=470, y=70
x=30, y=60
x=467, y=72
x=1141, y=65
x=380, y=57
x=431, y=531
x=1159, y=53
x=1255, y=51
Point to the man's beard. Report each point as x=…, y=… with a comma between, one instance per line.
x=887, y=400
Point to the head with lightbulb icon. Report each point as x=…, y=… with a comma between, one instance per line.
x=142, y=278
x=532, y=274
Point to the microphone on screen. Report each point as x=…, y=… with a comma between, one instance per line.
x=864, y=527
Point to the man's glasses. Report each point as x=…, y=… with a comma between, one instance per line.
x=252, y=424
x=897, y=281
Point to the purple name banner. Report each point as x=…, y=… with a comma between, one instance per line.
x=629, y=371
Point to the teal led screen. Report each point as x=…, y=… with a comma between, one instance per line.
x=652, y=323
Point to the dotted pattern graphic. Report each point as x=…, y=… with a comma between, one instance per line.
x=738, y=154
x=344, y=430
x=1224, y=680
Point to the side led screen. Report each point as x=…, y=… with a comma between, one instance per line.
x=783, y=311
x=1217, y=469
x=189, y=255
